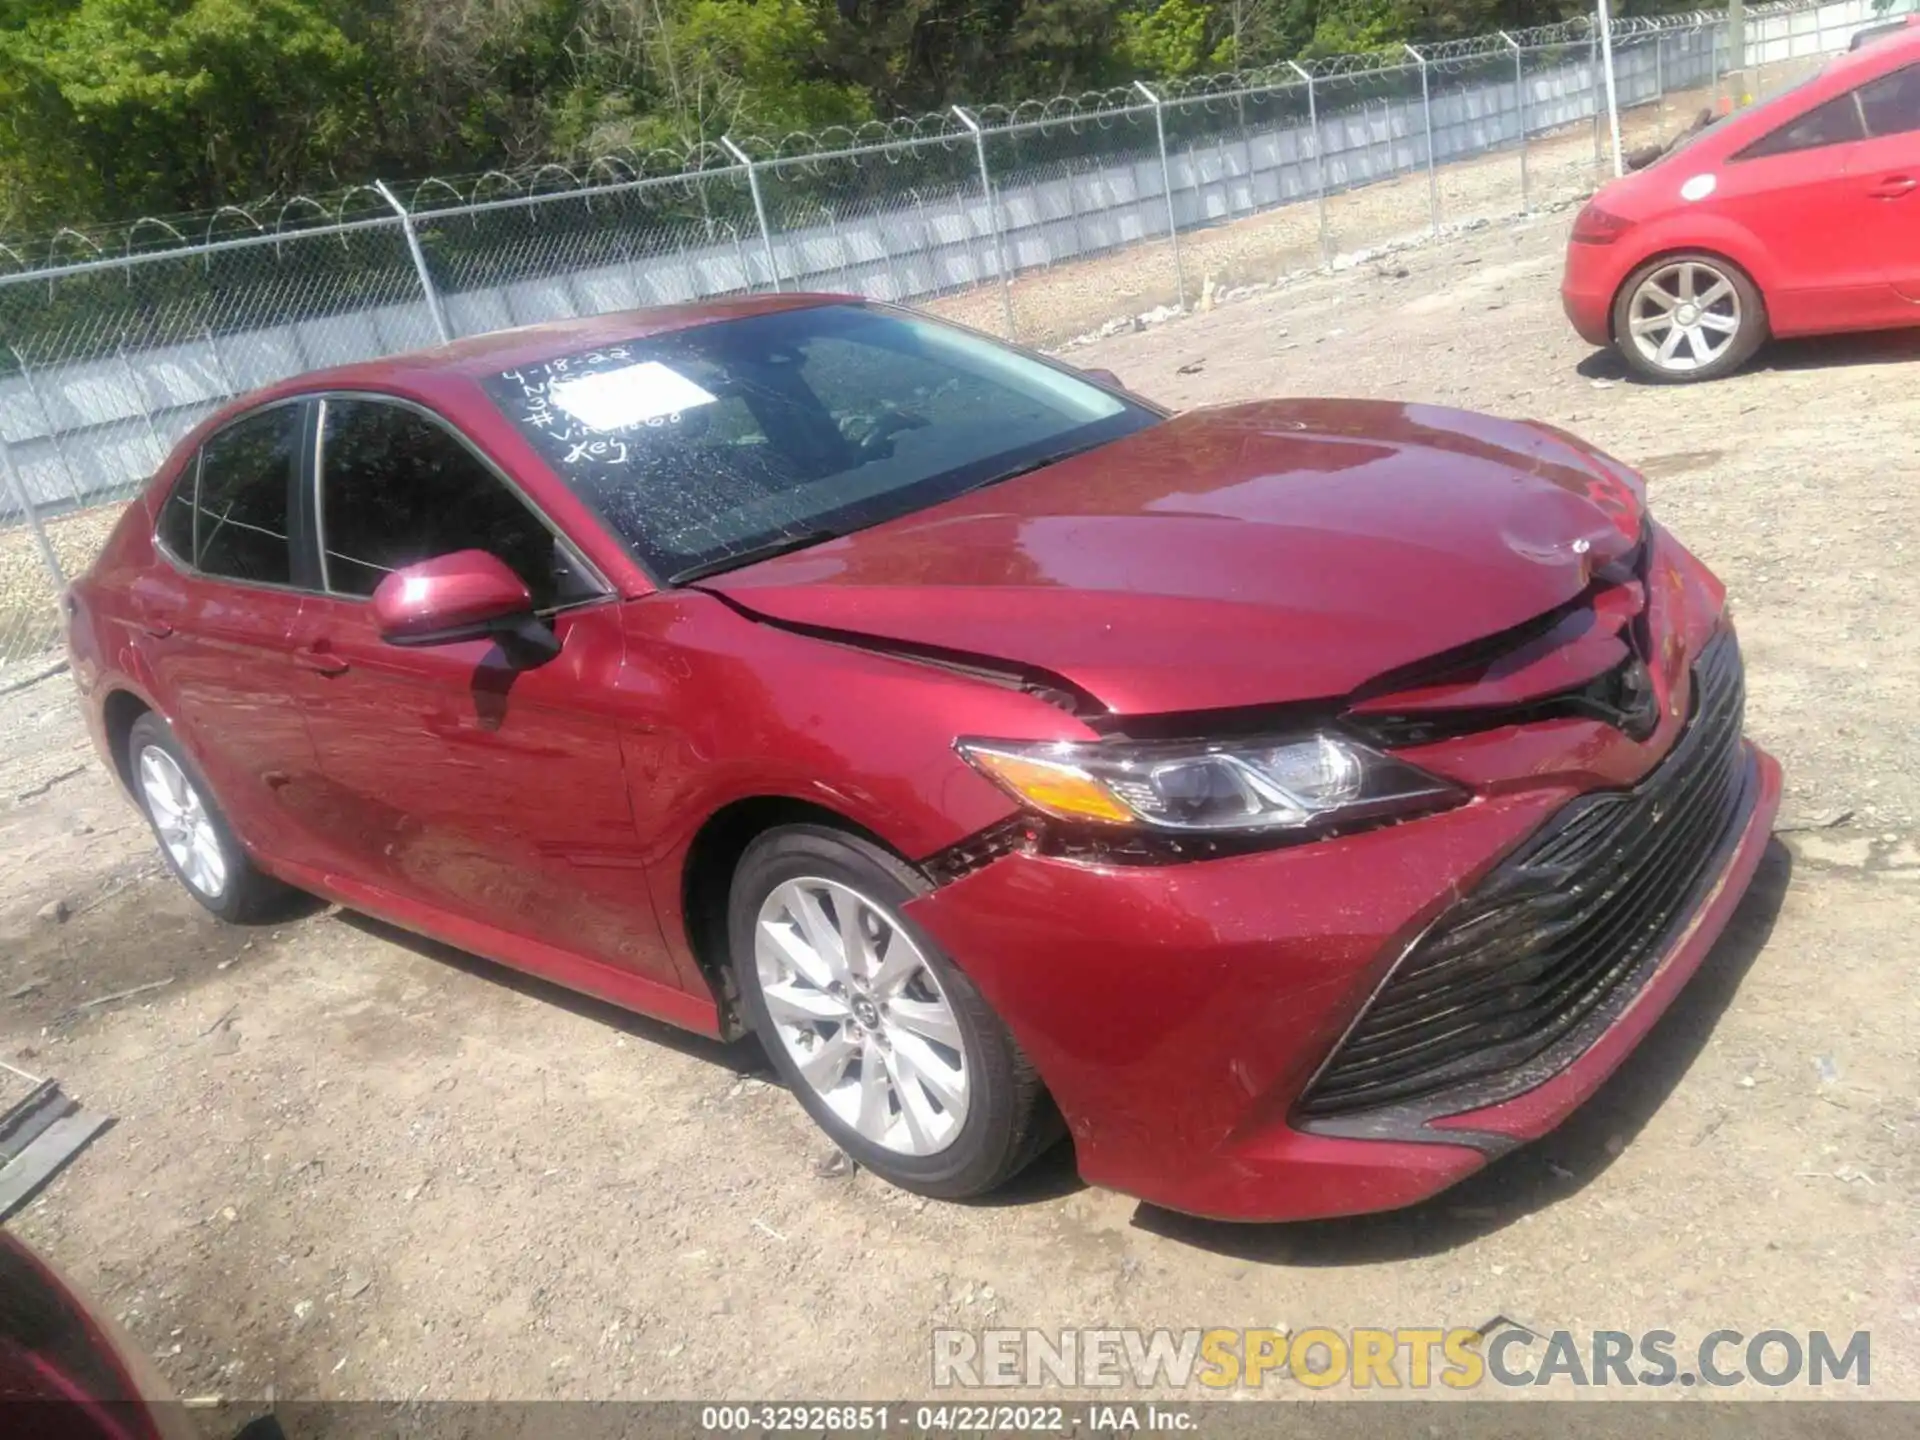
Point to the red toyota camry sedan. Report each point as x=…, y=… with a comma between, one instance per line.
x=1799, y=216
x=1299, y=802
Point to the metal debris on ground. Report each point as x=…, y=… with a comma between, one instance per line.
x=1817, y=821
x=38, y=1137
x=128, y=994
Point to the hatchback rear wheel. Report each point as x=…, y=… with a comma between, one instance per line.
x=196, y=841
x=1688, y=317
x=882, y=1038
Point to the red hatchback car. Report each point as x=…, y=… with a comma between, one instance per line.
x=1798, y=216
x=1303, y=801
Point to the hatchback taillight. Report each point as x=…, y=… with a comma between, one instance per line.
x=1599, y=227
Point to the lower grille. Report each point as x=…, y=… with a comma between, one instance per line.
x=1541, y=953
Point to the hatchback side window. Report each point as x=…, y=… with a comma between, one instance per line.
x=240, y=507
x=1834, y=123
x=1892, y=103
x=397, y=488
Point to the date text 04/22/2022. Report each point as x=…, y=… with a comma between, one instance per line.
x=946, y=1419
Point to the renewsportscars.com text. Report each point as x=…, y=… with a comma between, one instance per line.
x=1416, y=1358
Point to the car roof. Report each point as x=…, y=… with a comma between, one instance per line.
x=1880, y=32
x=1840, y=73
x=497, y=350
x=446, y=378
x=1892, y=47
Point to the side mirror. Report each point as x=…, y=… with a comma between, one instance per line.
x=468, y=595
x=1103, y=377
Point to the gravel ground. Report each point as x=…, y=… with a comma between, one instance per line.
x=350, y=1164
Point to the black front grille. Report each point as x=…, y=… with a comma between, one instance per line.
x=1515, y=979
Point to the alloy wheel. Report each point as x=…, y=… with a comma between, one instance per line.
x=1684, y=316
x=181, y=819
x=862, y=1015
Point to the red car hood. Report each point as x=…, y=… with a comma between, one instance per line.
x=1237, y=556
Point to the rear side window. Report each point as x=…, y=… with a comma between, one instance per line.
x=175, y=529
x=396, y=488
x=240, y=512
x=1834, y=123
x=1892, y=103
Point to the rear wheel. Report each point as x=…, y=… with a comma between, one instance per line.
x=196, y=841
x=883, y=1040
x=1688, y=317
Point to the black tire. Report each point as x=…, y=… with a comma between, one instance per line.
x=1750, y=335
x=1010, y=1120
x=247, y=894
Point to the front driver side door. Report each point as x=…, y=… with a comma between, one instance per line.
x=453, y=780
x=1885, y=171
x=1790, y=190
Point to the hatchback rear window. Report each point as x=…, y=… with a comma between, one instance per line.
x=709, y=446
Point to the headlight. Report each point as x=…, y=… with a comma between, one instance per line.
x=1237, y=785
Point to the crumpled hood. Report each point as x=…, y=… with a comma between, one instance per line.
x=1245, y=555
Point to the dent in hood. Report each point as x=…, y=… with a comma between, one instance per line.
x=1249, y=555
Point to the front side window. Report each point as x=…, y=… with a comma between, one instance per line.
x=397, y=488
x=1835, y=123
x=707, y=447
x=239, y=520
x=1892, y=103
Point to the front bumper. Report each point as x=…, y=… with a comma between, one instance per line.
x=1177, y=1012
x=1180, y=1013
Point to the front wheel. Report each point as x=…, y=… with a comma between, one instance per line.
x=883, y=1040
x=1688, y=317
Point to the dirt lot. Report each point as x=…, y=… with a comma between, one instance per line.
x=352, y=1164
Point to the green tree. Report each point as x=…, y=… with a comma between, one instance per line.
x=649, y=72
x=914, y=56
x=114, y=108
x=1169, y=38
x=123, y=106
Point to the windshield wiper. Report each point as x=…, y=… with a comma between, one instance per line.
x=1028, y=467
x=778, y=545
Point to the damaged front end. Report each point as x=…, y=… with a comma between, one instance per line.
x=1324, y=1021
x=1389, y=752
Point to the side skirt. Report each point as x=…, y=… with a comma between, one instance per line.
x=549, y=962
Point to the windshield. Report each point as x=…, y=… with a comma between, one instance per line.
x=722, y=443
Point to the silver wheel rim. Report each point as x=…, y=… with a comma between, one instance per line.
x=181, y=819
x=862, y=1015
x=1684, y=316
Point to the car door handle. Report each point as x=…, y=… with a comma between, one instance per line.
x=159, y=629
x=1893, y=187
x=325, y=661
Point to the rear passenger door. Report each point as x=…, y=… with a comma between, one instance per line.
x=216, y=622
x=1791, y=190
x=1885, y=172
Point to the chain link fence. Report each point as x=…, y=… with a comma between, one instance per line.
x=1042, y=222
